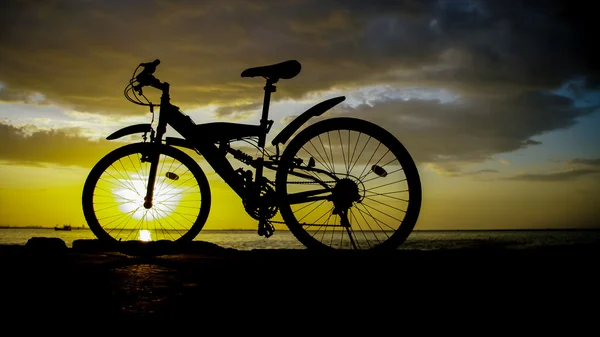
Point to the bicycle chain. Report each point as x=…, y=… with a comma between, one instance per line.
x=311, y=182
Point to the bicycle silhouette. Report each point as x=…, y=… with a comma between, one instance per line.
x=340, y=183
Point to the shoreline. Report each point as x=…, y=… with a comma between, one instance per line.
x=568, y=229
x=46, y=279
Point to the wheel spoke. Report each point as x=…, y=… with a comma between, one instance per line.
x=375, y=190
x=115, y=189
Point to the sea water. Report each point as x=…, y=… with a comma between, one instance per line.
x=283, y=239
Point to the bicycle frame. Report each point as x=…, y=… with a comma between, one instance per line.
x=207, y=145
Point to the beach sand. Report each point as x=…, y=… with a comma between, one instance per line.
x=90, y=282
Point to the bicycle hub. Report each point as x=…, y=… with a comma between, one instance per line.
x=344, y=194
x=147, y=203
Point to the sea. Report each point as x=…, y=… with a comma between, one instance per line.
x=283, y=239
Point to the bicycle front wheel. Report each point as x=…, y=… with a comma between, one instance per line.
x=346, y=183
x=113, y=196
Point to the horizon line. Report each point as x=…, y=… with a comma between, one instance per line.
x=286, y=229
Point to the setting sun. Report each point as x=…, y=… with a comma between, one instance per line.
x=145, y=235
x=130, y=197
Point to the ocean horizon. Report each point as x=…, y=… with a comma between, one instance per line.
x=248, y=239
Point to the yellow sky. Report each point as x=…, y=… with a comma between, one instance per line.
x=48, y=196
x=500, y=112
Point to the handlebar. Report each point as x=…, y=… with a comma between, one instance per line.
x=145, y=77
x=149, y=69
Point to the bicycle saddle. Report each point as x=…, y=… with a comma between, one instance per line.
x=284, y=70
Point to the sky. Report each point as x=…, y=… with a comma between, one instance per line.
x=498, y=102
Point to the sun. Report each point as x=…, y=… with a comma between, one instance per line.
x=145, y=235
x=131, y=199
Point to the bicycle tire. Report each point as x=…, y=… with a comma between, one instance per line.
x=338, y=126
x=184, y=234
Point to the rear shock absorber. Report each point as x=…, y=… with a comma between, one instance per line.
x=241, y=156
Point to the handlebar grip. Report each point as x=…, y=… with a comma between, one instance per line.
x=145, y=76
x=150, y=67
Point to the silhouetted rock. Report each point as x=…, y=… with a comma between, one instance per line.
x=203, y=247
x=167, y=247
x=46, y=246
x=11, y=250
x=154, y=248
x=93, y=246
x=146, y=249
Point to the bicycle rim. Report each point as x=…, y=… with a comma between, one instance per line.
x=114, y=191
x=370, y=175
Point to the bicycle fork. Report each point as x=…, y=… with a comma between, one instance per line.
x=153, y=159
x=156, y=142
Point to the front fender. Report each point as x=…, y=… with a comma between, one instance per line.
x=129, y=130
x=316, y=110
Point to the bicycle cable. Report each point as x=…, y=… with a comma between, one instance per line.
x=262, y=151
x=131, y=87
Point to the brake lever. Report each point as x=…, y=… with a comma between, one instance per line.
x=138, y=89
x=149, y=69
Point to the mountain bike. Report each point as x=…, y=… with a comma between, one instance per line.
x=339, y=183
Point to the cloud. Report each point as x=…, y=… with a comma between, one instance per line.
x=504, y=162
x=478, y=172
x=469, y=130
x=532, y=142
x=81, y=54
x=14, y=96
x=496, y=59
x=586, y=161
x=556, y=176
x=33, y=147
x=235, y=112
x=456, y=171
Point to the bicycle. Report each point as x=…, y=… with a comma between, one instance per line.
x=166, y=193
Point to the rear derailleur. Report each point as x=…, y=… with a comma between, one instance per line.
x=265, y=228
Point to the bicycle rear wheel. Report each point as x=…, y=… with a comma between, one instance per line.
x=114, y=191
x=347, y=183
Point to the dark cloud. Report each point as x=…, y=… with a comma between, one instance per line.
x=470, y=130
x=516, y=42
x=586, y=161
x=498, y=57
x=82, y=53
x=20, y=146
x=557, y=176
x=531, y=142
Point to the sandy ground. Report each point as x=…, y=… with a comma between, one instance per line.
x=88, y=282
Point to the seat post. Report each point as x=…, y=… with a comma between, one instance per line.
x=264, y=120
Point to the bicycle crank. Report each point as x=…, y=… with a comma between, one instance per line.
x=264, y=206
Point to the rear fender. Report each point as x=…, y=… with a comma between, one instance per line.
x=316, y=110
